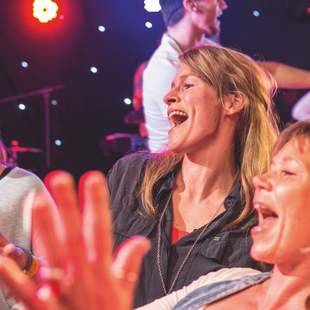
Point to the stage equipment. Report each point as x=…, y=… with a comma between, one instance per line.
x=122, y=143
x=46, y=96
x=15, y=149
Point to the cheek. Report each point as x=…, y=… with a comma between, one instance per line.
x=206, y=118
x=285, y=195
x=295, y=231
x=298, y=218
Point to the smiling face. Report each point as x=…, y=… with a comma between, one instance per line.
x=193, y=111
x=206, y=15
x=282, y=199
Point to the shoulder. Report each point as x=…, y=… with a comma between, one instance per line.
x=124, y=181
x=216, y=290
x=164, y=60
x=129, y=165
x=224, y=274
x=125, y=176
x=24, y=178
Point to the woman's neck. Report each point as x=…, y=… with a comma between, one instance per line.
x=200, y=179
x=286, y=290
x=199, y=193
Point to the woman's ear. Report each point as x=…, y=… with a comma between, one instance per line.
x=233, y=103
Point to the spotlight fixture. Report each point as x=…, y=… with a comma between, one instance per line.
x=44, y=10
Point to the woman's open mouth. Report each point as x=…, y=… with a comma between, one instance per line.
x=267, y=217
x=177, y=117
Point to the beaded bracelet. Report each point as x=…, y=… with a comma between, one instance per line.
x=34, y=268
x=32, y=265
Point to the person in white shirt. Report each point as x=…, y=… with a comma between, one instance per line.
x=188, y=22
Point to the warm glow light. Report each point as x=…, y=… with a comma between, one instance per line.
x=45, y=10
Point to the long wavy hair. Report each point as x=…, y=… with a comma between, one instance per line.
x=228, y=71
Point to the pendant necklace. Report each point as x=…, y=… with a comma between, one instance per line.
x=165, y=289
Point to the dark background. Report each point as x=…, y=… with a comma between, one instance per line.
x=90, y=106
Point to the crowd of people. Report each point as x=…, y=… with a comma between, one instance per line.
x=214, y=217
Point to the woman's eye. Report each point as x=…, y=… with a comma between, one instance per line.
x=186, y=86
x=287, y=172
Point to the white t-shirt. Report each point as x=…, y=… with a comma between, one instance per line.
x=157, y=79
x=15, y=218
x=225, y=274
x=301, y=110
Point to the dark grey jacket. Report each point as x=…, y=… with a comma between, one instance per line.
x=216, y=249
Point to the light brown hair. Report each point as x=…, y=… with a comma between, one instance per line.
x=296, y=130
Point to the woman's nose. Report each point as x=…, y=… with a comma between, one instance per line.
x=170, y=98
x=262, y=182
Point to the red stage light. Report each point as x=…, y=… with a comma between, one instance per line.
x=45, y=10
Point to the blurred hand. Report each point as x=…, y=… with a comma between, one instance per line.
x=81, y=272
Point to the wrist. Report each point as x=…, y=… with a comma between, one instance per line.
x=32, y=265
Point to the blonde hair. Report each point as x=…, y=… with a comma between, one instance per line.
x=228, y=71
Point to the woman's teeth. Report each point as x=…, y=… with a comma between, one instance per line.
x=177, y=117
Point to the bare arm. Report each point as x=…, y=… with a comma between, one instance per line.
x=287, y=76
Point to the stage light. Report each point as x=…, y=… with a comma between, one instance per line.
x=93, y=69
x=101, y=28
x=22, y=107
x=58, y=142
x=54, y=102
x=256, y=13
x=45, y=10
x=127, y=101
x=24, y=64
x=152, y=5
x=148, y=25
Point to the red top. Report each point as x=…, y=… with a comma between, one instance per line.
x=177, y=234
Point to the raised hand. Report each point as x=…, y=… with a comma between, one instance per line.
x=81, y=272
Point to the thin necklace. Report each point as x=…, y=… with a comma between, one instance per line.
x=168, y=291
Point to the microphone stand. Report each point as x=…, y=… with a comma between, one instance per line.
x=46, y=94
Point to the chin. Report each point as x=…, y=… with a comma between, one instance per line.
x=213, y=30
x=262, y=254
x=210, y=32
x=173, y=147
